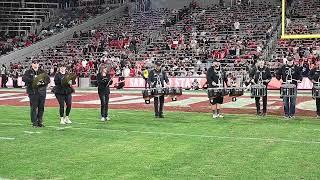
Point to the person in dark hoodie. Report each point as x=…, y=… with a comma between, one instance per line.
x=261, y=74
x=291, y=74
x=63, y=90
x=158, y=79
x=36, y=81
x=104, y=80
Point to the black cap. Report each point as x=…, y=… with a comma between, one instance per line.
x=290, y=59
x=158, y=63
x=35, y=61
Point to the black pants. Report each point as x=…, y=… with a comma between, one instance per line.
x=264, y=104
x=158, y=105
x=64, y=99
x=104, y=100
x=318, y=106
x=4, y=81
x=15, y=83
x=37, y=102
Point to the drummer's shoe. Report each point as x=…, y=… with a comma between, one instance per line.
x=286, y=116
x=215, y=116
x=161, y=115
x=264, y=114
x=220, y=116
x=292, y=117
x=156, y=115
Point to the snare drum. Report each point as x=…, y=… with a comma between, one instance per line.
x=147, y=95
x=258, y=90
x=316, y=92
x=158, y=92
x=236, y=92
x=288, y=90
x=169, y=91
x=216, y=92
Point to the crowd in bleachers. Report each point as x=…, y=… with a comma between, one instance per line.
x=58, y=22
x=186, y=40
x=301, y=19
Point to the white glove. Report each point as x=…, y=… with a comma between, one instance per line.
x=214, y=83
x=70, y=82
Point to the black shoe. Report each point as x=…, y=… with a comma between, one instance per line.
x=161, y=116
x=35, y=126
x=41, y=125
x=156, y=115
x=263, y=114
x=259, y=113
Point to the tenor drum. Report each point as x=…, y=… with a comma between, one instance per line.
x=216, y=92
x=173, y=92
x=258, y=90
x=288, y=90
x=147, y=95
x=178, y=91
x=169, y=91
x=158, y=92
x=316, y=92
x=236, y=92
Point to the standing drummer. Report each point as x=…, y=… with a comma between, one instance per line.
x=261, y=74
x=314, y=76
x=158, y=79
x=216, y=78
x=290, y=74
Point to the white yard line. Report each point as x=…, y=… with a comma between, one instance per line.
x=201, y=136
x=7, y=138
x=31, y=132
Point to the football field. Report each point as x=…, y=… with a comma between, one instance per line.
x=135, y=145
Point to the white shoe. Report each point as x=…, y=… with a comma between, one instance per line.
x=103, y=119
x=67, y=120
x=62, y=121
x=220, y=116
x=214, y=116
x=107, y=118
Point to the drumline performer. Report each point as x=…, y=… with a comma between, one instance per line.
x=216, y=78
x=158, y=79
x=36, y=81
x=289, y=74
x=63, y=90
x=261, y=74
x=314, y=76
x=104, y=80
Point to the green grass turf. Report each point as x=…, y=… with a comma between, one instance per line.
x=134, y=145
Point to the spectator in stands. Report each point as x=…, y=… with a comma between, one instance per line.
x=237, y=25
x=195, y=85
x=4, y=78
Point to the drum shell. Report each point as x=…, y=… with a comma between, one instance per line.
x=158, y=92
x=216, y=92
x=288, y=90
x=178, y=91
x=147, y=94
x=316, y=92
x=236, y=92
x=258, y=91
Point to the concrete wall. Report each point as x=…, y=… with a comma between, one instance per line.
x=56, y=39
